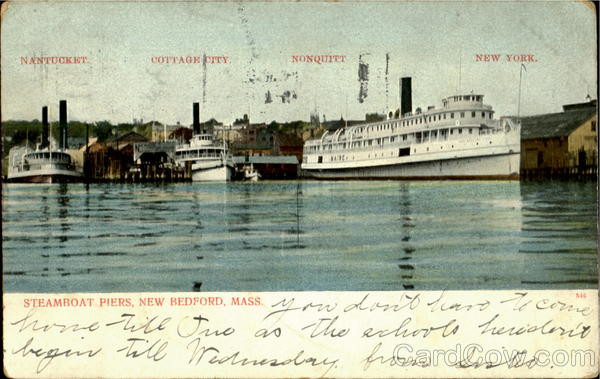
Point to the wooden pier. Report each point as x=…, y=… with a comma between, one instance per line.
x=269, y=166
x=146, y=162
x=575, y=173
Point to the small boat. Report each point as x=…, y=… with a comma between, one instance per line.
x=250, y=174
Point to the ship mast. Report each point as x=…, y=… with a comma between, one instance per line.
x=346, y=121
x=459, y=71
x=520, y=79
x=459, y=56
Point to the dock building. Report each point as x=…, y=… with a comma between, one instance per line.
x=561, y=145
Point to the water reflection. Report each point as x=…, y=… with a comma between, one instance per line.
x=407, y=225
x=63, y=211
x=559, y=233
x=241, y=207
x=45, y=216
x=196, y=238
x=300, y=235
x=298, y=209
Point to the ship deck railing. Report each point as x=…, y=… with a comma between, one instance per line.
x=35, y=167
x=396, y=131
x=193, y=156
x=331, y=147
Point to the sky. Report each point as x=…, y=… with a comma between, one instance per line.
x=435, y=43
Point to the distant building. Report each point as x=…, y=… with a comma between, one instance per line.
x=256, y=134
x=161, y=132
x=112, y=159
x=288, y=144
x=313, y=133
x=181, y=135
x=126, y=140
x=230, y=133
x=561, y=140
x=255, y=139
x=210, y=126
x=77, y=155
x=244, y=121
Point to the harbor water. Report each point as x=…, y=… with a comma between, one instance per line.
x=299, y=235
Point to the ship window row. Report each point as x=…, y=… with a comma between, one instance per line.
x=405, y=151
x=454, y=99
x=467, y=98
x=200, y=153
x=421, y=120
x=418, y=137
x=37, y=166
x=46, y=155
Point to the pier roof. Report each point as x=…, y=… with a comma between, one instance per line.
x=128, y=137
x=555, y=124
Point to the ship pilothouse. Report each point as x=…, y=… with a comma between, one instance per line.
x=460, y=139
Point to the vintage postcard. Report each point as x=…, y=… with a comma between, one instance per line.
x=299, y=189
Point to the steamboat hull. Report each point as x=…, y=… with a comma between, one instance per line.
x=55, y=177
x=490, y=167
x=213, y=174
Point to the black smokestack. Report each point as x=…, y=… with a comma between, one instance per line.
x=405, y=96
x=62, y=121
x=45, y=128
x=196, y=118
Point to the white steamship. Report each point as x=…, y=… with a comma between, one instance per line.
x=41, y=166
x=48, y=163
x=209, y=160
x=461, y=140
